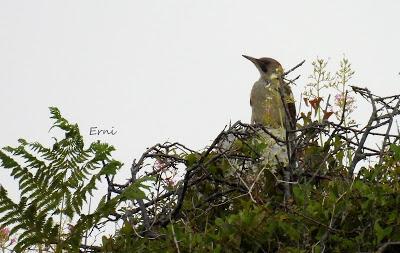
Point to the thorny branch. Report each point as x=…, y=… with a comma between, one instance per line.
x=382, y=108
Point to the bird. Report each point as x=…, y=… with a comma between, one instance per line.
x=273, y=106
x=268, y=106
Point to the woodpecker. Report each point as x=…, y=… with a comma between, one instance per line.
x=273, y=106
x=265, y=100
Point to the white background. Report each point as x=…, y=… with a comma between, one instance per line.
x=173, y=70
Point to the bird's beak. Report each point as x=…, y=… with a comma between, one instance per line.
x=252, y=59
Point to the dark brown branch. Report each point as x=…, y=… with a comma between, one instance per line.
x=358, y=156
x=294, y=68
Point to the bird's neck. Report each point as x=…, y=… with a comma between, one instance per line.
x=270, y=79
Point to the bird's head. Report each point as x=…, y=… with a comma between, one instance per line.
x=269, y=68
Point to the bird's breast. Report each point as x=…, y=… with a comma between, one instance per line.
x=266, y=104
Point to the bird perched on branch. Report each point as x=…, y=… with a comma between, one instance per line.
x=268, y=106
x=273, y=106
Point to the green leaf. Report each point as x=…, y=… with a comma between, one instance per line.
x=380, y=232
x=133, y=191
x=396, y=150
x=191, y=159
x=298, y=195
x=111, y=168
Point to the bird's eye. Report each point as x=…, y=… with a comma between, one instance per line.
x=263, y=68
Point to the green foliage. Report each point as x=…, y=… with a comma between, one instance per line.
x=335, y=213
x=55, y=182
x=353, y=216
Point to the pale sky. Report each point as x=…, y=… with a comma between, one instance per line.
x=172, y=70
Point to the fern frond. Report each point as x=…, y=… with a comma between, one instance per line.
x=54, y=181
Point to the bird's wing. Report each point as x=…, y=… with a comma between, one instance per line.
x=290, y=103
